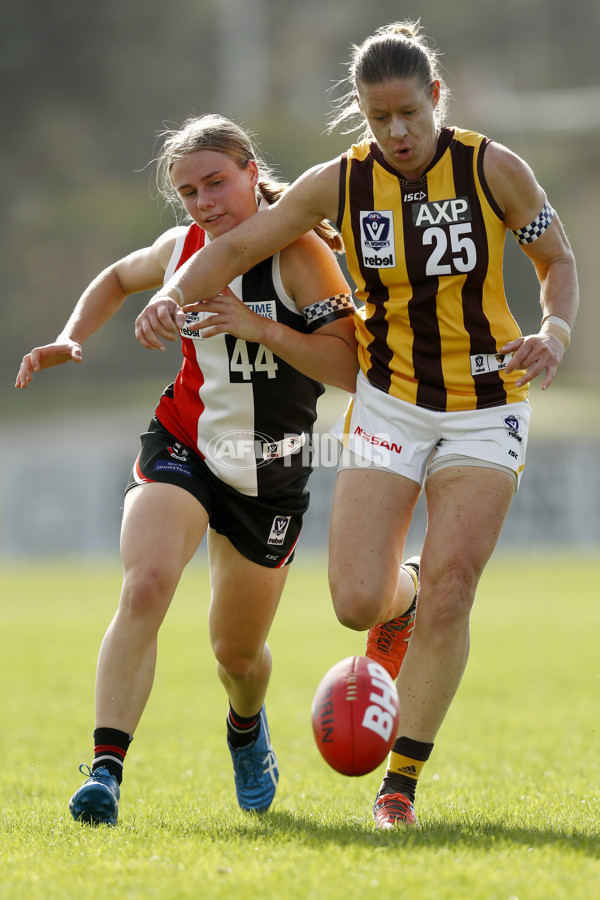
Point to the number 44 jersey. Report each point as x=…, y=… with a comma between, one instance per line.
x=426, y=259
x=245, y=411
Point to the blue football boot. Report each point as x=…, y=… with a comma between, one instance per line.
x=96, y=801
x=255, y=770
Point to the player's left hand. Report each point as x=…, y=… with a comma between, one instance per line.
x=55, y=354
x=228, y=315
x=534, y=353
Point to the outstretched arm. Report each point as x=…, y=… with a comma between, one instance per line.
x=139, y=271
x=312, y=198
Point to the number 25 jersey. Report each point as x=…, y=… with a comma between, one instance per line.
x=426, y=259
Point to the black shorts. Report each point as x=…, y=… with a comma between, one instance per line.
x=263, y=529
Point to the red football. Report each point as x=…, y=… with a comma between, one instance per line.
x=355, y=715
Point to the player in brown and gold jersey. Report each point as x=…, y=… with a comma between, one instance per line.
x=441, y=398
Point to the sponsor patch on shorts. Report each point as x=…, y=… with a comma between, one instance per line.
x=512, y=425
x=278, y=530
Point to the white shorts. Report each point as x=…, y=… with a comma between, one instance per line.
x=382, y=432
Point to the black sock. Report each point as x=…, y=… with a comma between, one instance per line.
x=242, y=731
x=110, y=749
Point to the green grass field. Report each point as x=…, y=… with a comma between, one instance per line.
x=509, y=802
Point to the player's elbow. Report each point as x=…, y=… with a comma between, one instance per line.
x=348, y=382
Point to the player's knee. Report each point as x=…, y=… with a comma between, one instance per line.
x=446, y=598
x=354, y=610
x=237, y=664
x=146, y=595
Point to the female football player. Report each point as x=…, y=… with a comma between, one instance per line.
x=227, y=451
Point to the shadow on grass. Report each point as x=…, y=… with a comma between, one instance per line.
x=292, y=825
x=482, y=833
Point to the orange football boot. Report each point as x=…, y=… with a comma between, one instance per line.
x=391, y=810
x=387, y=643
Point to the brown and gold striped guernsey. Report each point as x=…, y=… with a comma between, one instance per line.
x=426, y=259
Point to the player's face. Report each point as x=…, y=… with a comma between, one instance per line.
x=401, y=115
x=214, y=190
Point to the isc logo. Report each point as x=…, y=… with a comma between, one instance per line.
x=377, y=238
x=380, y=715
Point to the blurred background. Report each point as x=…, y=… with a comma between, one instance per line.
x=87, y=88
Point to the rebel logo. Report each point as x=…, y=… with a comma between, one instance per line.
x=278, y=530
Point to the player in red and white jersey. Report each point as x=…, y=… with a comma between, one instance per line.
x=227, y=452
x=244, y=410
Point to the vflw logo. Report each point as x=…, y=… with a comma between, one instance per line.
x=278, y=530
x=377, y=239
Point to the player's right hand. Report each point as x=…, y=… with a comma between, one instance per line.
x=158, y=320
x=44, y=357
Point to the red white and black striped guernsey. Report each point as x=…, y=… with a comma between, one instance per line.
x=426, y=259
x=244, y=410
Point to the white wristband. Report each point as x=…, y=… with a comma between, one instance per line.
x=556, y=320
x=558, y=329
x=178, y=291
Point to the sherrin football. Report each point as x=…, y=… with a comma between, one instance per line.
x=355, y=715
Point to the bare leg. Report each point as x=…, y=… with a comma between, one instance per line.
x=466, y=510
x=244, y=600
x=370, y=518
x=162, y=528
